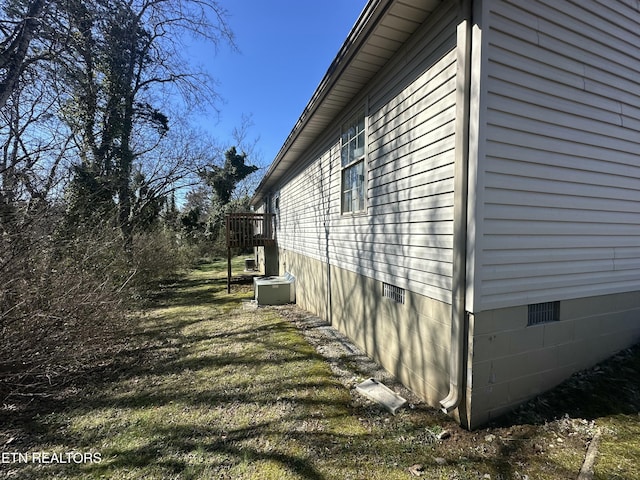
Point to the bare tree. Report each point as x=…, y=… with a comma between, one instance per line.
x=18, y=30
x=129, y=61
x=86, y=98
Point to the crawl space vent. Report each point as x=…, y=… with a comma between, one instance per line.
x=394, y=293
x=543, y=313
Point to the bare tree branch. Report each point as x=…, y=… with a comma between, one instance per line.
x=14, y=47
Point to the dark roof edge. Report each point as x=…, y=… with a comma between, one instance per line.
x=369, y=17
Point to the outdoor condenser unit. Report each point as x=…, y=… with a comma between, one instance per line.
x=275, y=290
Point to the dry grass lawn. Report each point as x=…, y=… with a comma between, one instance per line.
x=196, y=387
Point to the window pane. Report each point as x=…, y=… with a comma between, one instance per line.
x=352, y=155
x=360, y=185
x=353, y=188
x=353, y=140
x=351, y=132
x=345, y=155
x=358, y=151
x=347, y=201
x=360, y=144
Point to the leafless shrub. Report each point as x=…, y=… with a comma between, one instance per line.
x=155, y=256
x=50, y=304
x=64, y=302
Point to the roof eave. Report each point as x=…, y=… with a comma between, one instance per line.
x=371, y=15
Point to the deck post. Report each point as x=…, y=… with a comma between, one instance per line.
x=228, y=269
x=228, y=256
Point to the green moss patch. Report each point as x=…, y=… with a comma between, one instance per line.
x=198, y=387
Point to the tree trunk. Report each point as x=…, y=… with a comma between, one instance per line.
x=12, y=58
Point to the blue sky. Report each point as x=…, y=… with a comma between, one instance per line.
x=286, y=47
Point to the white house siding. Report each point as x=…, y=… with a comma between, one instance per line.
x=405, y=235
x=558, y=212
x=306, y=205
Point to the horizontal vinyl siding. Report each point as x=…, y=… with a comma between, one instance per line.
x=405, y=236
x=561, y=166
x=307, y=204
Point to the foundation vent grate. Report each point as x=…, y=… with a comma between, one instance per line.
x=394, y=293
x=543, y=313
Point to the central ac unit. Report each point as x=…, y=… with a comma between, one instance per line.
x=275, y=290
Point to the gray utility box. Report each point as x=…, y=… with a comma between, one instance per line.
x=249, y=264
x=274, y=290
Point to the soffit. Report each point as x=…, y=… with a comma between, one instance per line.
x=380, y=31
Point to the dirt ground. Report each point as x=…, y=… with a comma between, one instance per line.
x=348, y=363
x=555, y=429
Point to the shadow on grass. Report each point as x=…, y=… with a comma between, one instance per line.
x=220, y=364
x=200, y=292
x=180, y=359
x=226, y=446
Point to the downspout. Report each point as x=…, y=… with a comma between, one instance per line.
x=459, y=327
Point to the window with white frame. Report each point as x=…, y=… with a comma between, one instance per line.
x=353, y=171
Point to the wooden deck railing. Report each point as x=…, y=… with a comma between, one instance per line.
x=246, y=230
x=250, y=230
